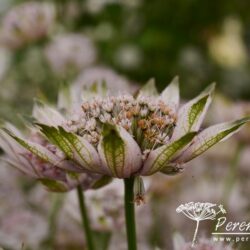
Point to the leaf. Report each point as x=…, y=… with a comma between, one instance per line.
x=161, y=157
x=210, y=136
x=102, y=239
x=171, y=94
x=103, y=181
x=191, y=115
x=54, y=186
x=149, y=89
x=75, y=147
x=120, y=154
x=172, y=169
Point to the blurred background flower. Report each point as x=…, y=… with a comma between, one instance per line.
x=70, y=53
x=45, y=45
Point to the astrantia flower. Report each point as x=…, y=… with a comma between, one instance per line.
x=93, y=81
x=124, y=136
x=38, y=158
x=115, y=83
x=70, y=52
x=27, y=23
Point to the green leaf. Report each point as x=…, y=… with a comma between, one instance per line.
x=103, y=181
x=161, y=157
x=102, y=239
x=54, y=186
x=172, y=169
x=191, y=115
x=211, y=136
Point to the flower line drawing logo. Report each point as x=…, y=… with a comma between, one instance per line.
x=199, y=211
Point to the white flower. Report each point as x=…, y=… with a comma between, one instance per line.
x=26, y=23
x=70, y=52
x=35, y=156
x=114, y=148
x=99, y=75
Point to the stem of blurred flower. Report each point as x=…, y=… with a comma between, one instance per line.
x=130, y=213
x=230, y=180
x=57, y=201
x=195, y=233
x=85, y=219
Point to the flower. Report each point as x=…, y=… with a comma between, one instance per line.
x=124, y=136
x=93, y=81
x=40, y=159
x=99, y=75
x=70, y=52
x=26, y=23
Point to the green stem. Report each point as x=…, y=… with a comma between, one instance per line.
x=230, y=179
x=130, y=213
x=85, y=219
x=57, y=204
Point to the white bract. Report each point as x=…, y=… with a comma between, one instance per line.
x=124, y=136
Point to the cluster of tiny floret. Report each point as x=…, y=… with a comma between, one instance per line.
x=149, y=120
